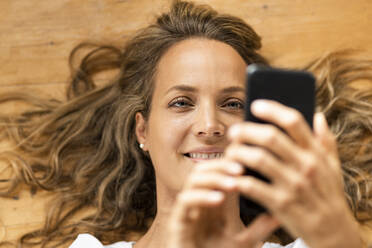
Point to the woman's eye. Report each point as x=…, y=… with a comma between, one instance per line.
x=180, y=103
x=233, y=104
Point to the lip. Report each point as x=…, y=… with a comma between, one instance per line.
x=204, y=150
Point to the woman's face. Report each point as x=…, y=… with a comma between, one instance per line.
x=199, y=93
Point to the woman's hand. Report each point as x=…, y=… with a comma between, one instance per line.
x=206, y=212
x=306, y=190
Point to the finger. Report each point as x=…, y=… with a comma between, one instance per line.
x=211, y=180
x=289, y=119
x=258, y=159
x=188, y=201
x=328, y=143
x=267, y=136
x=323, y=133
x=295, y=192
x=220, y=165
x=257, y=190
x=259, y=230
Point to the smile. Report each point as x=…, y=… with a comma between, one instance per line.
x=204, y=155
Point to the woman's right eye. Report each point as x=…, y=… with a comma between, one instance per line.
x=180, y=102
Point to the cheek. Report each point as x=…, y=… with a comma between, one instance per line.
x=166, y=137
x=177, y=130
x=167, y=133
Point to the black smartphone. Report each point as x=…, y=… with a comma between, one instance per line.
x=292, y=88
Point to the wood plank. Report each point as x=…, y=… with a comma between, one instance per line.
x=35, y=44
x=22, y=215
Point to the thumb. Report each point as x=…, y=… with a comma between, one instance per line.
x=328, y=141
x=257, y=231
x=324, y=134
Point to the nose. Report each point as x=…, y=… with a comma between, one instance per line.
x=208, y=123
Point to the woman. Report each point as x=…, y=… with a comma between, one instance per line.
x=174, y=114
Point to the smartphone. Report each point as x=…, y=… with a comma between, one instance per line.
x=293, y=88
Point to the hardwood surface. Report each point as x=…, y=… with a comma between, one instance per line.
x=37, y=35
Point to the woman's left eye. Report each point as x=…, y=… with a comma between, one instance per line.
x=233, y=104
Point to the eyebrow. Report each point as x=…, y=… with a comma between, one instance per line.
x=188, y=88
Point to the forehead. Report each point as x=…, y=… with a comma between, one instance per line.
x=200, y=62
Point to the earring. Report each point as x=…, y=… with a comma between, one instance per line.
x=141, y=146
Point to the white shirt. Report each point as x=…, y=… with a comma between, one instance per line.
x=89, y=241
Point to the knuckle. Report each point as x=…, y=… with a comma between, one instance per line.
x=310, y=166
x=299, y=185
x=271, y=136
x=247, y=186
x=230, y=151
x=294, y=119
x=284, y=201
x=260, y=157
x=310, y=171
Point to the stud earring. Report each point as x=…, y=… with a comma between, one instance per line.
x=141, y=146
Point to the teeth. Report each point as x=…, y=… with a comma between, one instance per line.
x=205, y=155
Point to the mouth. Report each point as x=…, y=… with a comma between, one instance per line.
x=196, y=156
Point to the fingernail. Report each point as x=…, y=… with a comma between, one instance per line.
x=235, y=168
x=229, y=182
x=233, y=131
x=259, y=106
x=215, y=196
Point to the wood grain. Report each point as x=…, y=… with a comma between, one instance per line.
x=37, y=36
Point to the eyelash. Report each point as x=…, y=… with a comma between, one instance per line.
x=187, y=103
x=234, y=101
x=179, y=100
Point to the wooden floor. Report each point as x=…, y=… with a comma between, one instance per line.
x=37, y=36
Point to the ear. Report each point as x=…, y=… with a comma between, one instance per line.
x=141, y=129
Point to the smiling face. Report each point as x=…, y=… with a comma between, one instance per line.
x=199, y=93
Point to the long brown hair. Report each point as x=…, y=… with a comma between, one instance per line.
x=344, y=94
x=84, y=148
